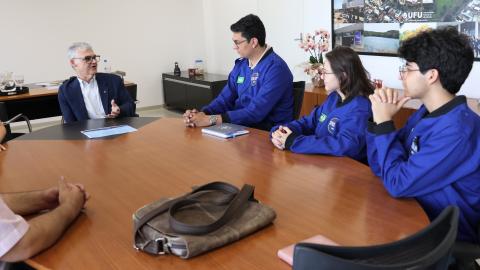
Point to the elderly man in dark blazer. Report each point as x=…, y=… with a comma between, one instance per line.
x=92, y=95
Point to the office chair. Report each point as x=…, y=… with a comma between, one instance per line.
x=466, y=254
x=298, y=91
x=6, y=122
x=429, y=248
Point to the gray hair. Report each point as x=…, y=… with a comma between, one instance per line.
x=72, y=50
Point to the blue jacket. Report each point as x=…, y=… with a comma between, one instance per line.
x=110, y=87
x=434, y=158
x=259, y=98
x=334, y=128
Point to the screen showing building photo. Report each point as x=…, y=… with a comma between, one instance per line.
x=378, y=26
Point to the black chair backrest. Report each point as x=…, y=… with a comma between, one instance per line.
x=429, y=248
x=466, y=254
x=298, y=92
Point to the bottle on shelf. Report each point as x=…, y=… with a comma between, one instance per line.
x=199, y=68
x=107, y=68
x=176, y=70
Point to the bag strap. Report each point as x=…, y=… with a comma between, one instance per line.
x=236, y=207
x=229, y=188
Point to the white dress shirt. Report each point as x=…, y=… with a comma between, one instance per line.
x=91, y=97
x=12, y=229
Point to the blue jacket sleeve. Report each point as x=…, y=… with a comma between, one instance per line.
x=225, y=100
x=277, y=82
x=67, y=113
x=437, y=164
x=305, y=125
x=348, y=141
x=372, y=153
x=123, y=100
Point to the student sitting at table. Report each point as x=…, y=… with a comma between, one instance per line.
x=337, y=126
x=259, y=91
x=435, y=157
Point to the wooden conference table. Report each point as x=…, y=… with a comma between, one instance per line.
x=336, y=197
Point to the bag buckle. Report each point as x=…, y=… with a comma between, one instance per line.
x=162, y=246
x=157, y=246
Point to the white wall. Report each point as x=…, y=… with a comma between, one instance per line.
x=143, y=38
x=284, y=20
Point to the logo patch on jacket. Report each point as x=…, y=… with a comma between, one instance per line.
x=332, y=125
x=322, y=118
x=415, y=146
x=254, y=78
x=240, y=79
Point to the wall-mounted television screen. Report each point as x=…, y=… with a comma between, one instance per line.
x=376, y=27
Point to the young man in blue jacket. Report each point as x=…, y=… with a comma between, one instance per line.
x=435, y=158
x=259, y=92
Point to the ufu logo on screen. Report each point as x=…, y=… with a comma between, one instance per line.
x=415, y=15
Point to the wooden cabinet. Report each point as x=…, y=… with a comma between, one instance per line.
x=183, y=92
x=315, y=96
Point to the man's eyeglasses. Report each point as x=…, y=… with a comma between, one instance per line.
x=403, y=69
x=89, y=58
x=236, y=42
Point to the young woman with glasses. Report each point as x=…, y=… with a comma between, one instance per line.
x=337, y=127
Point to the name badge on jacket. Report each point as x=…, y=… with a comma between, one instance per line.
x=322, y=118
x=254, y=78
x=332, y=125
x=414, y=147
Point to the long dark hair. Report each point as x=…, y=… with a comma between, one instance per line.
x=348, y=68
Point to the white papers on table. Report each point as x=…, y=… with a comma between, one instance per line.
x=107, y=131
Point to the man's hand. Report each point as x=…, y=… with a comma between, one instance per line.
x=115, y=110
x=71, y=196
x=200, y=119
x=2, y=147
x=279, y=137
x=187, y=116
x=50, y=196
x=46, y=228
x=385, y=104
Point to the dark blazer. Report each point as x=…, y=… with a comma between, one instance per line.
x=110, y=87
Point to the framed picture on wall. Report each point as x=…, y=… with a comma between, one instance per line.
x=376, y=27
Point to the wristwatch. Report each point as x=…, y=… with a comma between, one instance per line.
x=213, y=119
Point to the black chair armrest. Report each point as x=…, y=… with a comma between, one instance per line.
x=13, y=119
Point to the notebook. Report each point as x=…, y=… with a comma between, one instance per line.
x=225, y=130
x=286, y=253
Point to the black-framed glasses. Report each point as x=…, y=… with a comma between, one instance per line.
x=89, y=58
x=324, y=72
x=404, y=69
x=236, y=42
